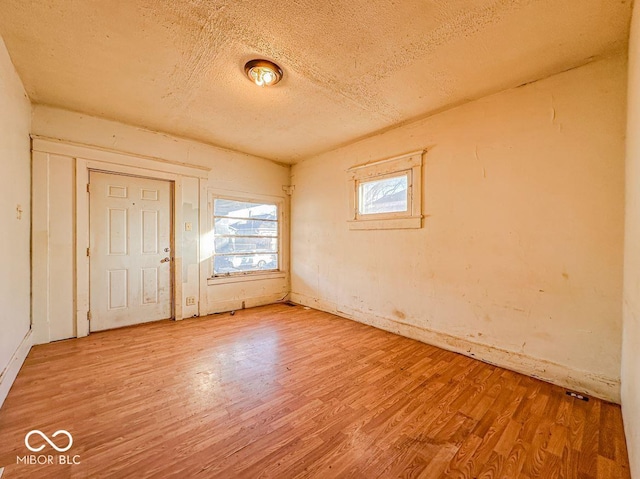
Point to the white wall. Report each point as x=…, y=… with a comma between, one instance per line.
x=519, y=261
x=631, y=308
x=54, y=191
x=15, y=184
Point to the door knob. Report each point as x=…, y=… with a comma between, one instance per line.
x=165, y=260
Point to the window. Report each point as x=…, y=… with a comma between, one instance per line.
x=387, y=194
x=246, y=237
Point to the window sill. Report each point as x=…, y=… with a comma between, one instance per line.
x=413, y=222
x=240, y=278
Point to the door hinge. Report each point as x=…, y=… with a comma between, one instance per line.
x=88, y=187
x=88, y=251
x=88, y=315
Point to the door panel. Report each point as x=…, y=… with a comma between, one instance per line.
x=150, y=232
x=117, y=288
x=117, y=231
x=150, y=285
x=130, y=237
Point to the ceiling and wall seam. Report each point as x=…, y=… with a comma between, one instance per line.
x=458, y=105
x=351, y=70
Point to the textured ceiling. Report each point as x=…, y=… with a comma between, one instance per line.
x=351, y=68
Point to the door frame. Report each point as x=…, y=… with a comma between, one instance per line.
x=172, y=233
x=88, y=157
x=83, y=169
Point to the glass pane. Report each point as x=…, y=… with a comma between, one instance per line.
x=256, y=244
x=232, y=226
x=389, y=195
x=243, y=263
x=244, y=209
x=245, y=236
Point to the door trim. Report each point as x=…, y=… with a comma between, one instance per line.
x=56, y=146
x=190, y=187
x=83, y=277
x=83, y=167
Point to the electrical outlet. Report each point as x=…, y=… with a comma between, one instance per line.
x=191, y=300
x=188, y=226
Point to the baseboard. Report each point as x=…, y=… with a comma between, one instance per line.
x=11, y=371
x=574, y=379
x=252, y=302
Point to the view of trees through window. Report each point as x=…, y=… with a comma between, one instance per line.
x=245, y=236
x=387, y=195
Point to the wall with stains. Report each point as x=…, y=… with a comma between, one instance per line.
x=519, y=260
x=230, y=173
x=15, y=119
x=631, y=306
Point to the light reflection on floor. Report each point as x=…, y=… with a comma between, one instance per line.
x=247, y=363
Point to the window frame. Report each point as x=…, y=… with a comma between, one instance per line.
x=239, y=276
x=409, y=164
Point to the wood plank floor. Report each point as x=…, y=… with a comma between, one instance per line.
x=285, y=392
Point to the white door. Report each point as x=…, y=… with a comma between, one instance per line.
x=129, y=250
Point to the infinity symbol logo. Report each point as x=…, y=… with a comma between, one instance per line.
x=44, y=436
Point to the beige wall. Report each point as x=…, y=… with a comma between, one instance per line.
x=15, y=118
x=54, y=191
x=519, y=261
x=631, y=308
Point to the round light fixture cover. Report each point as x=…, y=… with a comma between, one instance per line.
x=263, y=72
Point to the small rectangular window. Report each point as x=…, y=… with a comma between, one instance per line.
x=246, y=237
x=387, y=194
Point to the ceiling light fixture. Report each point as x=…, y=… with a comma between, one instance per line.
x=263, y=72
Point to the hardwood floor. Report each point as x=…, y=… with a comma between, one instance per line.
x=285, y=392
